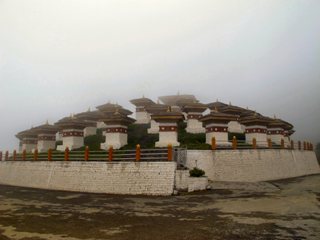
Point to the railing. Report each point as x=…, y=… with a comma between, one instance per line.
x=87, y=155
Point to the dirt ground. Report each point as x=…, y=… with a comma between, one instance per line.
x=287, y=209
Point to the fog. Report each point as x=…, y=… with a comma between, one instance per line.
x=61, y=57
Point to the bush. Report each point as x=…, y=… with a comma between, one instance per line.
x=196, y=172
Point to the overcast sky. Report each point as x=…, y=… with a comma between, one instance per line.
x=61, y=57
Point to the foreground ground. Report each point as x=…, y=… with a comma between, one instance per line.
x=288, y=209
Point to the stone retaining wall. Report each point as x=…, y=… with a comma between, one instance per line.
x=147, y=178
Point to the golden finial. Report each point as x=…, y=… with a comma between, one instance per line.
x=169, y=109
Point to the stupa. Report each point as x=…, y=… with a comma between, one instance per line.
x=194, y=113
x=28, y=140
x=46, y=137
x=91, y=119
x=142, y=116
x=154, y=109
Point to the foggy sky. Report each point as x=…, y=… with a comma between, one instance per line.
x=61, y=57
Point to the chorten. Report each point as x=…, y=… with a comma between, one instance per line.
x=194, y=113
x=91, y=119
x=116, y=130
x=216, y=124
x=168, y=127
x=154, y=109
x=72, y=133
x=28, y=140
x=276, y=130
x=46, y=137
x=142, y=116
x=256, y=127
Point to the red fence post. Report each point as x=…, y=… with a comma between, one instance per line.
x=282, y=143
x=213, y=143
x=86, y=153
x=304, y=145
x=110, y=155
x=14, y=155
x=234, y=143
x=169, y=152
x=299, y=145
x=24, y=155
x=50, y=154
x=66, y=154
x=6, y=157
x=269, y=143
x=292, y=144
x=254, y=143
x=0, y=156
x=138, y=153
x=35, y=155
x=311, y=146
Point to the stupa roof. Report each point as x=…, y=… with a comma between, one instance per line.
x=194, y=107
x=277, y=123
x=90, y=115
x=254, y=119
x=156, y=108
x=46, y=128
x=218, y=117
x=70, y=123
x=167, y=116
x=110, y=108
x=117, y=118
x=142, y=102
x=26, y=133
x=216, y=105
x=175, y=100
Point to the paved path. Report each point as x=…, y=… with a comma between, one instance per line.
x=287, y=209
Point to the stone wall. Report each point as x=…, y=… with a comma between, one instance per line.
x=253, y=165
x=190, y=184
x=148, y=178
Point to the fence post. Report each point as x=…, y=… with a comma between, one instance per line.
x=299, y=145
x=50, y=154
x=35, y=155
x=213, y=143
x=24, y=155
x=110, y=153
x=86, y=153
x=304, y=145
x=282, y=143
x=234, y=143
x=254, y=143
x=6, y=157
x=269, y=143
x=138, y=153
x=311, y=146
x=14, y=155
x=66, y=154
x=169, y=152
x=292, y=144
x=0, y=156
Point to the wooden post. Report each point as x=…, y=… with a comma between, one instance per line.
x=138, y=153
x=282, y=143
x=269, y=143
x=0, y=156
x=254, y=143
x=299, y=145
x=86, y=153
x=110, y=153
x=234, y=143
x=14, y=155
x=213, y=143
x=6, y=157
x=50, y=154
x=24, y=155
x=66, y=154
x=169, y=152
x=292, y=144
x=35, y=155
x=311, y=146
x=304, y=145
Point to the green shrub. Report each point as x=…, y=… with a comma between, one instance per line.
x=196, y=172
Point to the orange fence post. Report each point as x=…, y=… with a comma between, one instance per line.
x=66, y=154
x=110, y=153
x=304, y=145
x=14, y=155
x=299, y=145
x=35, y=154
x=0, y=156
x=282, y=143
x=6, y=157
x=269, y=143
x=213, y=143
x=169, y=152
x=86, y=153
x=50, y=154
x=254, y=143
x=311, y=146
x=138, y=153
x=24, y=155
x=234, y=142
x=292, y=144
